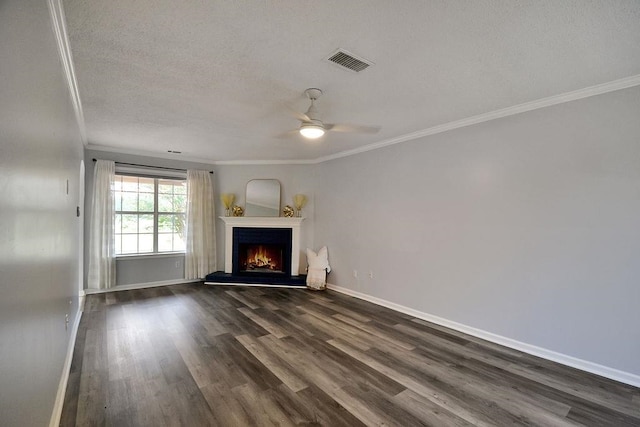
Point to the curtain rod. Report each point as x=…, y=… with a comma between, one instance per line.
x=147, y=166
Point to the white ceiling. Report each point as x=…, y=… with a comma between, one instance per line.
x=217, y=79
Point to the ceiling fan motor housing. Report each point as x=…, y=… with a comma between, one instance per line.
x=313, y=93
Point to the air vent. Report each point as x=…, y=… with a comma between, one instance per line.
x=349, y=61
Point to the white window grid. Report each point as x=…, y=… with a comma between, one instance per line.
x=155, y=214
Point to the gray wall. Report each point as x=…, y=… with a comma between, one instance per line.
x=227, y=179
x=527, y=227
x=149, y=269
x=40, y=149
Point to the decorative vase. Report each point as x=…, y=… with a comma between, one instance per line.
x=287, y=211
x=238, y=211
x=227, y=200
x=299, y=201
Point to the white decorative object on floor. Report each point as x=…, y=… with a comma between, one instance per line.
x=318, y=268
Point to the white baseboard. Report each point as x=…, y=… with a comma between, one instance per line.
x=584, y=365
x=141, y=286
x=66, y=368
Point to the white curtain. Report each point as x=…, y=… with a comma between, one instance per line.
x=102, y=256
x=200, y=257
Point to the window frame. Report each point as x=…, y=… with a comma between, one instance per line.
x=156, y=213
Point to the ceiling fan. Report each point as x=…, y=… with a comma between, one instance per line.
x=312, y=127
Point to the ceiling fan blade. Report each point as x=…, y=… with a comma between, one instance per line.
x=351, y=128
x=297, y=114
x=301, y=116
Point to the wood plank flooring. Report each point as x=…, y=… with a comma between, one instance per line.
x=197, y=355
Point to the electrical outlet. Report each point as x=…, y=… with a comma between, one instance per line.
x=355, y=274
x=177, y=264
x=66, y=322
x=370, y=274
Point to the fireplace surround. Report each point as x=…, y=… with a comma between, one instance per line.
x=281, y=234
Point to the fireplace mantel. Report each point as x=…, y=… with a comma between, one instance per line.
x=262, y=222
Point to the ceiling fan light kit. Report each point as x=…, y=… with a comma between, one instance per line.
x=311, y=131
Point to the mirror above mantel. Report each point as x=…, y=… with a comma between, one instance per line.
x=262, y=198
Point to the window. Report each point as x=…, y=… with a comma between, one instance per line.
x=150, y=214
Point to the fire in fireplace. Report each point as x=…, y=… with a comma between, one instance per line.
x=261, y=251
x=261, y=258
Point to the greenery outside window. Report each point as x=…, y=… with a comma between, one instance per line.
x=150, y=215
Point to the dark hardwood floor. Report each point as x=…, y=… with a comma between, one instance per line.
x=196, y=355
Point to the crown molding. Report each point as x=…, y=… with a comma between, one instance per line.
x=143, y=153
x=266, y=162
x=575, y=95
x=180, y=157
x=58, y=22
x=590, y=91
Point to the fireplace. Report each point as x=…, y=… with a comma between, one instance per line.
x=261, y=251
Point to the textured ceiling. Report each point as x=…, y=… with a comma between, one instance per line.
x=217, y=80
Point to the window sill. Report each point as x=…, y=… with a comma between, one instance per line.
x=149, y=256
